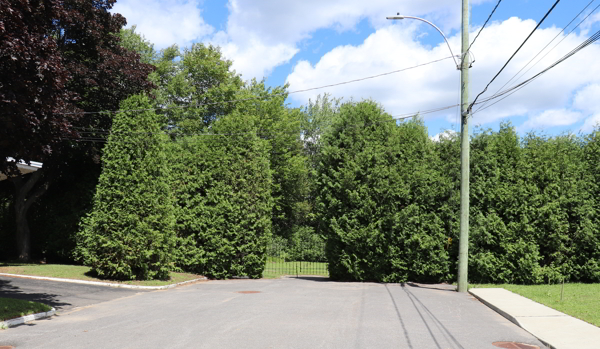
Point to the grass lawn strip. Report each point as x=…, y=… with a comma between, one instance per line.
x=14, y=308
x=78, y=272
x=579, y=300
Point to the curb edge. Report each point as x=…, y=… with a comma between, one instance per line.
x=106, y=284
x=27, y=318
x=509, y=318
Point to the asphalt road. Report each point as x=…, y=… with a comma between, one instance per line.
x=281, y=313
x=63, y=296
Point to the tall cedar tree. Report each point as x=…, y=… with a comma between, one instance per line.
x=222, y=186
x=56, y=58
x=130, y=231
x=378, y=199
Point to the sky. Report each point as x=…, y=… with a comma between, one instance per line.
x=313, y=43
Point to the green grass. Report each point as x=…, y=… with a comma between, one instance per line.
x=14, y=308
x=276, y=268
x=79, y=272
x=579, y=300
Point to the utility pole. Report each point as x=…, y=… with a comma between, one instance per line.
x=463, y=242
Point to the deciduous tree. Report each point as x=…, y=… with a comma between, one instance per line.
x=58, y=59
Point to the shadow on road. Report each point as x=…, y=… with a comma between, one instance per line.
x=312, y=278
x=438, y=287
x=7, y=290
x=400, y=318
x=440, y=326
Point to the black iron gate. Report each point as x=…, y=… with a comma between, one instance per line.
x=296, y=256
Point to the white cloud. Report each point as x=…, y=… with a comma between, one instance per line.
x=388, y=49
x=447, y=134
x=588, y=99
x=276, y=27
x=394, y=47
x=261, y=35
x=277, y=21
x=165, y=22
x=589, y=23
x=255, y=59
x=550, y=118
x=591, y=123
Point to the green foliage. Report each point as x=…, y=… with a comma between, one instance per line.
x=137, y=43
x=378, y=190
x=533, y=208
x=588, y=240
x=222, y=185
x=306, y=246
x=130, y=231
x=198, y=76
x=280, y=126
x=303, y=244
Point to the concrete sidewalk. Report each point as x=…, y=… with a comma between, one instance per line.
x=557, y=330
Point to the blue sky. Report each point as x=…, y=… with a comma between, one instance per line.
x=313, y=43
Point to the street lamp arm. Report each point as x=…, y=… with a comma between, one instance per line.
x=433, y=25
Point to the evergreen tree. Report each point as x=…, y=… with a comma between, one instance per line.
x=588, y=240
x=222, y=185
x=130, y=231
x=378, y=191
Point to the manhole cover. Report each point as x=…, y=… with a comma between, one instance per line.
x=244, y=292
x=514, y=345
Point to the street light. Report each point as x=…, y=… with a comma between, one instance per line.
x=463, y=247
x=398, y=16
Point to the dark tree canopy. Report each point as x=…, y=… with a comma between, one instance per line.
x=56, y=58
x=32, y=83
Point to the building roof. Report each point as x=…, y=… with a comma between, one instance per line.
x=23, y=167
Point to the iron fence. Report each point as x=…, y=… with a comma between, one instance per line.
x=299, y=256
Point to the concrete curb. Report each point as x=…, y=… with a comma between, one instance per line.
x=496, y=309
x=98, y=283
x=27, y=318
x=509, y=318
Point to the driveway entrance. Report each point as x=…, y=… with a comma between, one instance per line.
x=279, y=313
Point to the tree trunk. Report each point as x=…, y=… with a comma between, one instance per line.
x=23, y=234
x=23, y=201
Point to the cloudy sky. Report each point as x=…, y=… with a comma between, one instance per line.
x=312, y=43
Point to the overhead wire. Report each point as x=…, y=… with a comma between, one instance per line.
x=484, y=24
x=548, y=44
x=514, y=54
x=506, y=93
x=395, y=118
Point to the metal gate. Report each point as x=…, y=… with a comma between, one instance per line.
x=300, y=256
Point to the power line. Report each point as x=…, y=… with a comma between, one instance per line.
x=397, y=117
x=514, y=54
x=548, y=44
x=261, y=98
x=595, y=37
x=484, y=24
